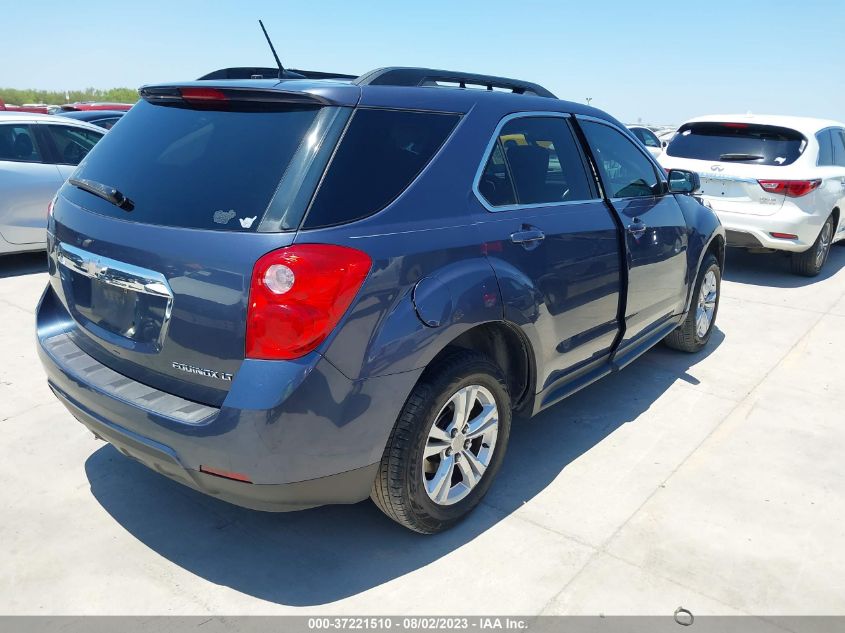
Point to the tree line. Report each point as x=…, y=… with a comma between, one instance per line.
x=58, y=97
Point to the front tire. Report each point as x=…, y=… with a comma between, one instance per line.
x=695, y=331
x=810, y=262
x=447, y=444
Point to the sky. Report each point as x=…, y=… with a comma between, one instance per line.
x=659, y=62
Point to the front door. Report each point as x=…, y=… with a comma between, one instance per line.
x=654, y=226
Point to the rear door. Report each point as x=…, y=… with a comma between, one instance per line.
x=553, y=243
x=158, y=287
x=655, y=229
x=27, y=184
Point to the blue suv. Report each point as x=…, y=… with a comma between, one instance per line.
x=302, y=291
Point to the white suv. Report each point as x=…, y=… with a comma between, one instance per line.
x=776, y=182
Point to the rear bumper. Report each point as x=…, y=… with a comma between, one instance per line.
x=755, y=231
x=304, y=435
x=347, y=487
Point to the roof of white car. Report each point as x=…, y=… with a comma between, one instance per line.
x=805, y=125
x=29, y=117
x=20, y=116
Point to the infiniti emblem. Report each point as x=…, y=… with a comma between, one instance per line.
x=717, y=168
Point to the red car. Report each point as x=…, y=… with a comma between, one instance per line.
x=92, y=105
x=38, y=109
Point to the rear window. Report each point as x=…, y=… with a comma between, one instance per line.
x=203, y=169
x=738, y=142
x=380, y=154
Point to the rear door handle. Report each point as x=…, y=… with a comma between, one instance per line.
x=528, y=236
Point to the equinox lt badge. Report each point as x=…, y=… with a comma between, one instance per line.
x=208, y=373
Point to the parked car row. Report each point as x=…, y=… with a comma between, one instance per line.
x=79, y=106
x=361, y=306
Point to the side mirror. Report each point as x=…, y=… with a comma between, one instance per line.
x=683, y=181
x=664, y=144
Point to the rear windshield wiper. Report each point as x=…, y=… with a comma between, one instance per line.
x=739, y=156
x=103, y=191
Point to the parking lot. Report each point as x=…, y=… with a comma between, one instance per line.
x=710, y=481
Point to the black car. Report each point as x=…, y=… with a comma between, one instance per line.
x=102, y=118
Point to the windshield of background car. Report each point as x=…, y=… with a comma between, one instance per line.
x=747, y=143
x=204, y=169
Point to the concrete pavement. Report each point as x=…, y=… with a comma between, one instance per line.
x=712, y=481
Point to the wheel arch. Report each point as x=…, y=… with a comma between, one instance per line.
x=508, y=347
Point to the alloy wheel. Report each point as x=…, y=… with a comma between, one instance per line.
x=824, y=243
x=706, y=303
x=460, y=444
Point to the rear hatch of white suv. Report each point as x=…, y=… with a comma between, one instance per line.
x=741, y=165
x=154, y=239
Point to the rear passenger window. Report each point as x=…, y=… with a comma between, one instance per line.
x=18, y=144
x=380, y=154
x=825, y=148
x=625, y=171
x=838, y=137
x=535, y=160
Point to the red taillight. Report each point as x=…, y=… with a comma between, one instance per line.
x=735, y=125
x=202, y=95
x=297, y=296
x=791, y=188
x=784, y=236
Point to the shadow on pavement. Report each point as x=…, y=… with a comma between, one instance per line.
x=322, y=555
x=23, y=264
x=772, y=269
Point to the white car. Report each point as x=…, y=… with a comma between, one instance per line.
x=647, y=138
x=37, y=153
x=776, y=182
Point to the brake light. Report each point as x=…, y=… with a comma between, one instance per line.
x=791, y=188
x=297, y=296
x=202, y=95
x=735, y=125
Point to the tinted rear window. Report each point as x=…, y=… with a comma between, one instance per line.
x=200, y=169
x=738, y=142
x=380, y=154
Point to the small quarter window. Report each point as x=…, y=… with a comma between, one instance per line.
x=380, y=155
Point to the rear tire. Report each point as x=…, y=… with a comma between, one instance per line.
x=810, y=262
x=445, y=448
x=694, y=332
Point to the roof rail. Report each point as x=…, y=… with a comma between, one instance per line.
x=262, y=72
x=400, y=76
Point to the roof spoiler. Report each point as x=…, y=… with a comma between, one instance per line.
x=263, y=72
